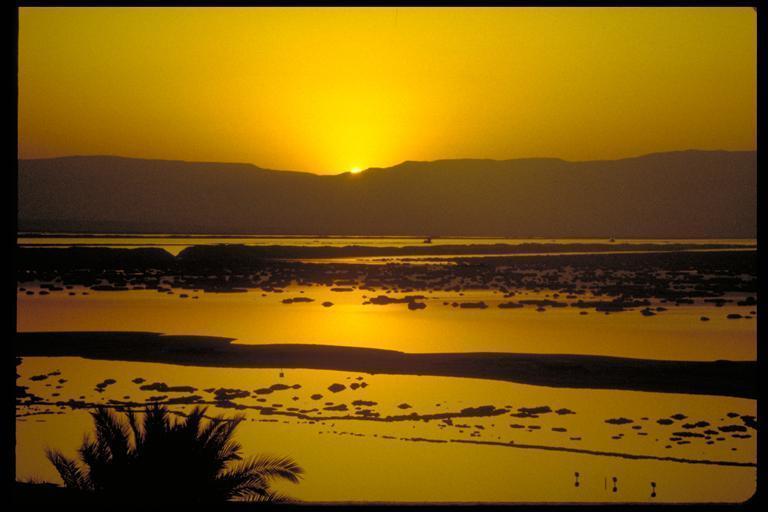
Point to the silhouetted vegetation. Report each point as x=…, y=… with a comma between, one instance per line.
x=192, y=459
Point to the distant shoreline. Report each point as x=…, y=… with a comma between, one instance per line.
x=723, y=378
x=31, y=256
x=96, y=234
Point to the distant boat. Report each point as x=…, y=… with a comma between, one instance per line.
x=428, y=240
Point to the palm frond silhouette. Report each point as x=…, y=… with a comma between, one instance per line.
x=189, y=459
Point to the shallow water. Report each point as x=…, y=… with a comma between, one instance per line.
x=367, y=460
x=375, y=451
x=258, y=317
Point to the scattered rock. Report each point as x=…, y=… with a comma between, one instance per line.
x=297, y=299
x=619, y=421
x=165, y=388
x=473, y=305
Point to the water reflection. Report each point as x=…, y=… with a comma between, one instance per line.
x=260, y=317
x=327, y=441
x=385, y=432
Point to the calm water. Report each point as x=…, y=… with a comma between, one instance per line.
x=256, y=317
x=363, y=460
x=502, y=458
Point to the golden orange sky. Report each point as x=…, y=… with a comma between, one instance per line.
x=327, y=90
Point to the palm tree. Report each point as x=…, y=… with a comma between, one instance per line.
x=185, y=460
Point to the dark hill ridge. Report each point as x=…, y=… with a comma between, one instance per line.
x=683, y=194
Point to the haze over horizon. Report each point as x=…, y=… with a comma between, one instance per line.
x=329, y=90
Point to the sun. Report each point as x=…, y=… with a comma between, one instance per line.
x=356, y=170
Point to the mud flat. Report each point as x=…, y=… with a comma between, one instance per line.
x=725, y=378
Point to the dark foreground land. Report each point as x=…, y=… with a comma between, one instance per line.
x=726, y=378
x=30, y=495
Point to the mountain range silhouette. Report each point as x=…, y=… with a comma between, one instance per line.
x=682, y=194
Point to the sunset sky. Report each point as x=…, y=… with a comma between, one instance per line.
x=327, y=90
